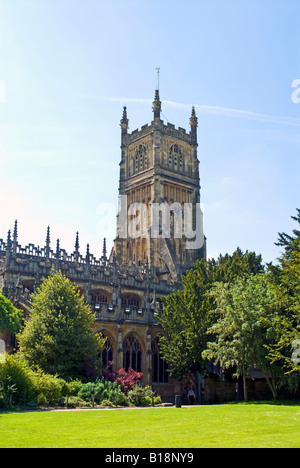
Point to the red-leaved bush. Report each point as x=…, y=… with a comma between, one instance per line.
x=126, y=380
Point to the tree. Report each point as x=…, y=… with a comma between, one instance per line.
x=287, y=241
x=246, y=318
x=58, y=337
x=286, y=278
x=10, y=317
x=187, y=313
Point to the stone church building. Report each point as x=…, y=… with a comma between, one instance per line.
x=159, y=169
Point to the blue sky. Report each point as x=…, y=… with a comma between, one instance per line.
x=67, y=67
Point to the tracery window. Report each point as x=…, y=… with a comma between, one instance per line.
x=99, y=298
x=130, y=301
x=107, y=353
x=132, y=354
x=159, y=366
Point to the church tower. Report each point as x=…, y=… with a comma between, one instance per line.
x=159, y=221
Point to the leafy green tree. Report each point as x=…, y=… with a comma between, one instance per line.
x=286, y=278
x=187, y=312
x=10, y=317
x=246, y=322
x=58, y=337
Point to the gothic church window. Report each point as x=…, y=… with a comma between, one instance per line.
x=107, y=353
x=159, y=366
x=132, y=354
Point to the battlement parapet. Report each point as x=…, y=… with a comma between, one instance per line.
x=168, y=129
x=35, y=262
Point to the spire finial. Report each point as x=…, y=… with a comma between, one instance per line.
x=47, y=247
x=57, y=256
x=194, y=124
x=48, y=236
x=76, y=252
x=77, y=242
x=158, y=70
x=104, y=252
x=124, y=121
x=16, y=231
x=15, y=237
x=57, y=248
x=193, y=119
x=156, y=105
x=88, y=261
x=88, y=256
x=8, y=242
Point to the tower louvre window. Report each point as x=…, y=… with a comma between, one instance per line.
x=175, y=157
x=141, y=160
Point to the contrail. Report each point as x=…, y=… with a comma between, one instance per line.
x=207, y=109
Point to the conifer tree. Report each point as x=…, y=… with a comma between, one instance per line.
x=287, y=241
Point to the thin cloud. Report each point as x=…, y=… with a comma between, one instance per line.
x=207, y=109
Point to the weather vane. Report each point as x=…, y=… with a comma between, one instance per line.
x=157, y=69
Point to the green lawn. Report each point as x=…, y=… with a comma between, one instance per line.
x=232, y=425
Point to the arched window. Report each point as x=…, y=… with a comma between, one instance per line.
x=132, y=354
x=141, y=160
x=128, y=301
x=175, y=158
x=159, y=366
x=107, y=353
x=99, y=298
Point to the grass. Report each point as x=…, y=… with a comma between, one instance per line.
x=232, y=425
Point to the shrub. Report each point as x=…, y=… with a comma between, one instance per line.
x=41, y=399
x=126, y=380
x=157, y=400
x=118, y=397
x=149, y=401
x=140, y=396
x=70, y=388
x=102, y=389
x=16, y=386
x=48, y=388
x=107, y=403
x=20, y=385
x=98, y=390
x=75, y=401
